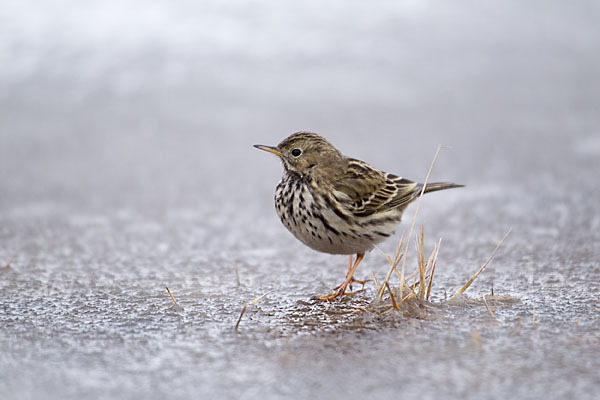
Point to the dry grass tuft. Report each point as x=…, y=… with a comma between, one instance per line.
x=411, y=294
x=412, y=224
x=415, y=296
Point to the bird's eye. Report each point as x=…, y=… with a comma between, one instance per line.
x=296, y=152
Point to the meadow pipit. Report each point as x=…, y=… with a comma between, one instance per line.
x=337, y=204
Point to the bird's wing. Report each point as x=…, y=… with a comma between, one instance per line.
x=370, y=191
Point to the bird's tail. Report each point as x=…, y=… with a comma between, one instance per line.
x=434, y=187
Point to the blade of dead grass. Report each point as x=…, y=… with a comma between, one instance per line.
x=495, y=299
x=393, y=264
x=237, y=273
x=408, y=296
x=470, y=281
x=237, y=324
x=245, y=306
x=476, y=337
x=409, y=278
x=428, y=267
x=259, y=298
x=488, y=307
x=412, y=224
x=424, y=269
x=436, y=251
x=387, y=285
x=421, y=262
x=170, y=294
x=375, y=280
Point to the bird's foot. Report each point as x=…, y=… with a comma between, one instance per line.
x=352, y=280
x=327, y=297
x=338, y=293
x=341, y=289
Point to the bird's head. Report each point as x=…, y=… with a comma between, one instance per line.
x=306, y=152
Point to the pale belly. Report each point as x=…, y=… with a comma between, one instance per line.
x=314, y=223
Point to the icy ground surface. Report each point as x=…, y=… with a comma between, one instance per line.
x=126, y=165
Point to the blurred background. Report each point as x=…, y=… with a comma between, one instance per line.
x=132, y=101
x=126, y=163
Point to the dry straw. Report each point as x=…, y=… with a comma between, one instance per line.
x=420, y=290
x=177, y=306
x=171, y=294
x=245, y=306
x=470, y=281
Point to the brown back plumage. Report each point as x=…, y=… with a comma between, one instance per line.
x=370, y=191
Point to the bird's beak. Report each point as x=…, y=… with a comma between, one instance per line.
x=270, y=149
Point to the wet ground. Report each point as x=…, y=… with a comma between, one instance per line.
x=126, y=165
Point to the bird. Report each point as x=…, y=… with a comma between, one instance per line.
x=337, y=204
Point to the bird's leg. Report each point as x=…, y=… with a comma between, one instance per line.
x=352, y=280
x=342, y=288
x=347, y=273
